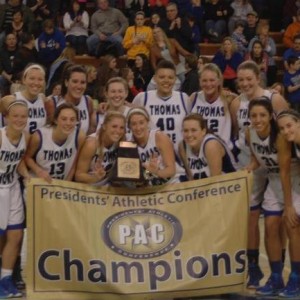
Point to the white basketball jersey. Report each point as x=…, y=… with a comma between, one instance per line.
x=244, y=121
x=198, y=163
x=218, y=118
x=37, y=116
x=265, y=153
x=107, y=161
x=56, y=159
x=166, y=114
x=10, y=157
x=151, y=149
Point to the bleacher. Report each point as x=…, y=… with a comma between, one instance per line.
x=207, y=50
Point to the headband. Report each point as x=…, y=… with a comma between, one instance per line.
x=137, y=110
x=16, y=102
x=288, y=113
x=34, y=66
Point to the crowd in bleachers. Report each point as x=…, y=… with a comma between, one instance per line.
x=40, y=31
x=188, y=116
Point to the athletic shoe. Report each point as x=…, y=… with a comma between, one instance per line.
x=3, y=292
x=8, y=285
x=254, y=276
x=17, y=275
x=292, y=289
x=273, y=286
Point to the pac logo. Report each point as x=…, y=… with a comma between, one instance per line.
x=141, y=233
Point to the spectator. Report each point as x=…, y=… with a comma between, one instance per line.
x=177, y=28
x=196, y=35
x=158, y=7
x=154, y=20
x=201, y=62
x=240, y=10
x=91, y=88
x=138, y=38
x=250, y=28
x=292, y=30
x=58, y=66
x=17, y=25
x=269, y=47
x=239, y=38
x=55, y=91
x=106, y=70
x=41, y=12
x=294, y=50
x=128, y=75
x=216, y=16
x=132, y=7
x=8, y=54
x=108, y=25
x=51, y=43
x=142, y=71
x=290, y=8
x=291, y=82
x=169, y=50
x=258, y=55
x=6, y=13
x=228, y=59
x=26, y=54
x=191, y=81
x=76, y=23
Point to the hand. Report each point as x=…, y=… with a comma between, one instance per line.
x=99, y=171
x=43, y=45
x=102, y=36
x=57, y=45
x=78, y=18
x=173, y=24
x=44, y=175
x=152, y=165
x=102, y=108
x=219, y=13
x=178, y=22
x=248, y=168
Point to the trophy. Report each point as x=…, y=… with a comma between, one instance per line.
x=127, y=169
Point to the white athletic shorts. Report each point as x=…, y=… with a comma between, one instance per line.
x=11, y=208
x=274, y=201
x=260, y=178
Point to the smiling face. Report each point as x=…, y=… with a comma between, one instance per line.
x=17, y=117
x=248, y=82
x=34, y=82
x=66, y=121
x=165, y=80
x=114, y=130
x=193, y=134
x=260, y=120
x=116, y=95
x=210, y=84
x=289, y=127
x=139, y=126
x=76, y=85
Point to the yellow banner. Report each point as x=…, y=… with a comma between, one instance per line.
x=178, y=240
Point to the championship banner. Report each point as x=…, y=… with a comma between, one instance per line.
x=179, y=240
